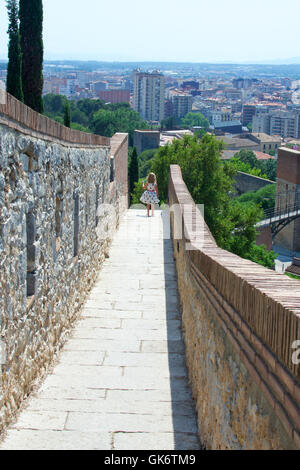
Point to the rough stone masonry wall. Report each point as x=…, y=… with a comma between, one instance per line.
x=51, y=195
x=239, y=322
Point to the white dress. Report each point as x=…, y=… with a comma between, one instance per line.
x=149, y=196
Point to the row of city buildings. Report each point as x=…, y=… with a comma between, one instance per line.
x=231, y=105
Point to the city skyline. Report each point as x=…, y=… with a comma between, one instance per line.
x=213, y=33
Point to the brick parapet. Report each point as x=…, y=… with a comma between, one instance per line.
x=257, y=308
x=20, y=117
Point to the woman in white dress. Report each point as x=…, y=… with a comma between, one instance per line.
x=150, y=196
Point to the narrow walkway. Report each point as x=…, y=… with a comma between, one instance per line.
x=121, y=382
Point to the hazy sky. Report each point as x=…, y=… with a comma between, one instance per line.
x=168, y=30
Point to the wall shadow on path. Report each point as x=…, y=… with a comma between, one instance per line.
x=183, y=405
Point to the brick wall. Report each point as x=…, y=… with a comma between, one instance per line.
x=17, y=115
x=240, y=321
x=264, y=237
x=288, y=168
x=119, y=150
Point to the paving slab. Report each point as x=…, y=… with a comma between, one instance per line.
x=155, y=441
x=121, y=380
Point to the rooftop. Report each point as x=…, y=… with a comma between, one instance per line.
x=265, y=137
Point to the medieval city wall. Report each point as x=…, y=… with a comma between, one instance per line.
x=60, y=204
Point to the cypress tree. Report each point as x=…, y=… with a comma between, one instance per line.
x=133, y=170
x=31, y=32
x=14, y=68
x=67, y=115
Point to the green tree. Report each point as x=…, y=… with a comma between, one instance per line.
x=246, y=161
x=54, y=104
x=79, y=116
x=14, y=67
x=169, y=123
x=114, y=119
x=31, y=32
x=240, y=165
x=264, y=197
x=210, y=182
x=269, y=167
x=247, y=156
x=137, y=192
x=79, y=127
x=133, y=174
x=88, y=107
x=67, y=115
x=195, y=120
x=145, y=161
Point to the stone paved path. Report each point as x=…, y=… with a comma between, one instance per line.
x=121, y=382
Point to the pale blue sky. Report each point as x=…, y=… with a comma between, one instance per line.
x=168, y=30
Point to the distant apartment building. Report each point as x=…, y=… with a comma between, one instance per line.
x=149, y=95
x=190, y=85
x=267, y=142
x=82, y=78
x=243, y=83
x=169, y=109
x=60, y=86
x=285, y=124
x=182, y=104
x=261, y=120
x=233, y=94
x=249, y=111
x=114, y=96
x=220, y=116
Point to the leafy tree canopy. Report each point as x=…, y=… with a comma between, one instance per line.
x=14, y=84
x=264, y=197
x=246, y=161
x=210, y=181
x=96, y=116
x=195, y=119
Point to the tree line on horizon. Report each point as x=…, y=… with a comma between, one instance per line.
x=25, y=52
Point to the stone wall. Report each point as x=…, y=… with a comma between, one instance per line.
x=146, y=140
x=245, y=183
x=55, y=231
x=240, y=321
